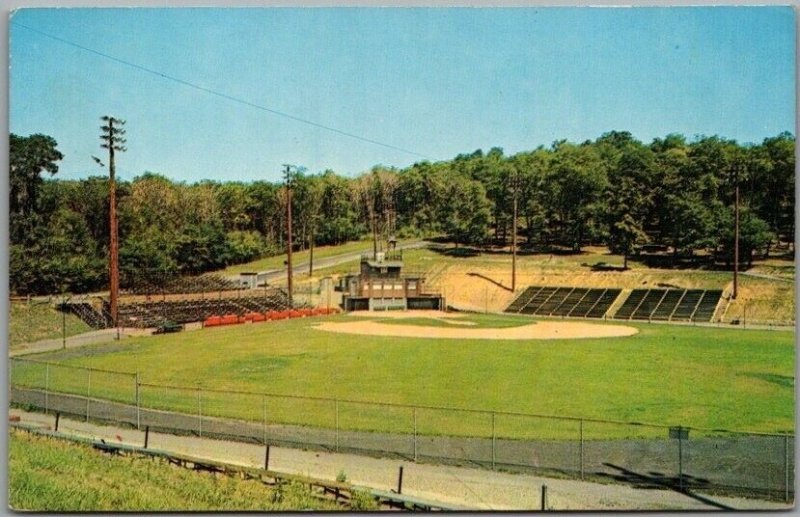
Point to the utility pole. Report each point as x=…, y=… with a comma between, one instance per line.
x=514, y=235
x=311, y=247
x=288, y=178
x=374, y=235
x=113, y=141
x=736, y=232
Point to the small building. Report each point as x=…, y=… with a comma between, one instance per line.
x=380, y=285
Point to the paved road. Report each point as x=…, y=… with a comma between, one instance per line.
x=302, y=267
x=768, y=277
x=460, y=486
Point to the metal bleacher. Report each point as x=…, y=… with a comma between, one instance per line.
x=604, y=302
x=152, y=313
x=523, y=299
x=630, y=304
x=707, y=305
x=686, y=309
x=670, y=305
x=576, y=302
x=641, y=304
x=541, y=296
x=650, y=302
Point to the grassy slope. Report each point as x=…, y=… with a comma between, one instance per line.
x=302, y=256
x=51, y=475
x=705, y=377
x=760, y=300
x=37, y=320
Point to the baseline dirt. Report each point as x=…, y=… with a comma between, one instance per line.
x=539, y=330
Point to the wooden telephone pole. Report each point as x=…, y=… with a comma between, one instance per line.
x=736, y=233
x=287, y=175
x=113, y=141
x=514, y=235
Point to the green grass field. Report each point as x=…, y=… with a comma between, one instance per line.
x=50, y=475
x=667, y=374
x=30, y=322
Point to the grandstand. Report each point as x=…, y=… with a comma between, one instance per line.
x=191, y=308
x=91, y=311
x=641, y=304
x=670, y=305
x=564, y=301
x=180, y=301
x=206, y=283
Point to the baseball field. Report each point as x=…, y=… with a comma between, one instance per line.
x=705, y=377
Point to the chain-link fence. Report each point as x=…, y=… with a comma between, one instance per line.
x=642, y=455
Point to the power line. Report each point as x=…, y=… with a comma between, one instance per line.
x=221, y=94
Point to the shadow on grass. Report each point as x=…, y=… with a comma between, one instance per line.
x=602, y=266
x=491, y=280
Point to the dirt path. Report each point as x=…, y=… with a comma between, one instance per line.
x=538, y=330
x=464, y=487
x=87, y=338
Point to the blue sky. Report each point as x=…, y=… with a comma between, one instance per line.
x=432, y=82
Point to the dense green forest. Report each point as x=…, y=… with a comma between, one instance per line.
x=615, y=191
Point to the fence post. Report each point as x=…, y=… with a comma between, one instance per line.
x=680, y=459
x=63, y=325
x=786, y=465
x=88, y=392
x=264, y=421
x=400, y=481
x=544, y=498
x=46, y=388
x=414, y=411
x=138, y=410
x=581, y=449
x=744, y=315
x=336, y=402
x=493, y=442
x=199, y=413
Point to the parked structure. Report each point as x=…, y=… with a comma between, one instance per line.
x=381, y=285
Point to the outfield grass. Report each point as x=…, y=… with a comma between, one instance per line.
x=667, y=374
x=30, y=322
x=50, y=475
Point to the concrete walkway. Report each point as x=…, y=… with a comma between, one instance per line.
x=87, y=338
x=459, y=486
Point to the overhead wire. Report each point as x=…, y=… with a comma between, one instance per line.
x=221, y=94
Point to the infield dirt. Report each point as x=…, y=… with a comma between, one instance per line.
x=538, y=330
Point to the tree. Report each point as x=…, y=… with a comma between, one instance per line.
x=629, y=197
x=771, y=184
x=531, y=169
x=465, y=211
x=574, y=183
x=338, y=217
x=29, y=157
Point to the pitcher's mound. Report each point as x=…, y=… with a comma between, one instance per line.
x=539, y=330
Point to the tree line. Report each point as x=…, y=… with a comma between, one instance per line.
x=615, y=191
